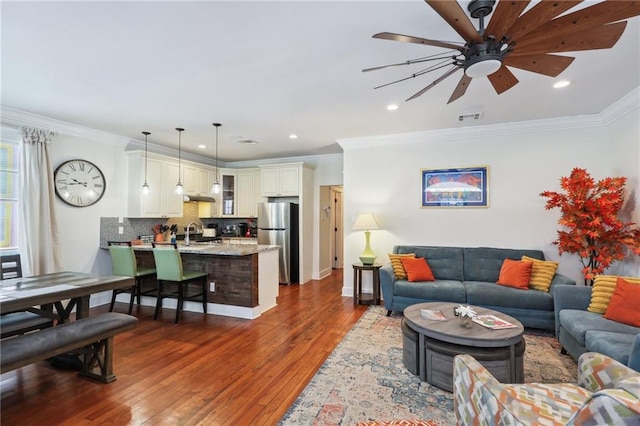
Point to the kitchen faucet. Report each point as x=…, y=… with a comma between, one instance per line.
x=186, y=236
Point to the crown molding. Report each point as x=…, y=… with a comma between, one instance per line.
x=472, y=132
x=627, y=104
x=17, y=118
x=309, y=159
x=138, y=145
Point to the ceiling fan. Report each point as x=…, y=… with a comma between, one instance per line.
x=515, y=39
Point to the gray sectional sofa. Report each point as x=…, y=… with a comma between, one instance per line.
x=579, y=330
x=468, y=275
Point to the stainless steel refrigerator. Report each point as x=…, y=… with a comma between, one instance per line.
x=278, y=225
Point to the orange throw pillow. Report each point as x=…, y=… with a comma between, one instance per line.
x=417, y=269
x=515, y=273
x=624, y=303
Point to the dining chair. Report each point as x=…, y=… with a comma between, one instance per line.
x=170, y=271
x=123, y=260
x=10, y=266
x=20, y=322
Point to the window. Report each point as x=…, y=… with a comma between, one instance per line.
x=9, y=151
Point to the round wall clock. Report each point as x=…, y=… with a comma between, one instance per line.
x=79, y=183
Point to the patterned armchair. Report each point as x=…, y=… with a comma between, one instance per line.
x=607, y=392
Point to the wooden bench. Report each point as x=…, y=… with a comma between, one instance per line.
x=23, y=322
x=93, y=335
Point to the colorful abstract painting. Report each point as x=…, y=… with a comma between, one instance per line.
x=462, y=187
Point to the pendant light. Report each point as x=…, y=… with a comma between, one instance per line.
x=145, y=185
x=179, y=187
x=215, y=189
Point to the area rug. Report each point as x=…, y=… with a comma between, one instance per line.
x=364, y=378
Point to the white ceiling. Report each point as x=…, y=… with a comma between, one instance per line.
x=264, y=70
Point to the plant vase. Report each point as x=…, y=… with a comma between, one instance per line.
x=465, y=322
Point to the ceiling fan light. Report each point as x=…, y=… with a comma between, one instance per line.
x=483, y=68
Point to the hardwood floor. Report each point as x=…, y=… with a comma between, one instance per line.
x=208, y=370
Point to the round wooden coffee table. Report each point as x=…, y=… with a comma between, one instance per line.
x=500, y=351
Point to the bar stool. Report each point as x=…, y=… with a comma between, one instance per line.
x=123, y=260
x=169, y=270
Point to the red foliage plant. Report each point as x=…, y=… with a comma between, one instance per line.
x=590, y=216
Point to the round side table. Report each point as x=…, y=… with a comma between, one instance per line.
x=358, y=295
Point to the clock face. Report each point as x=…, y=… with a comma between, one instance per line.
x=79, y=183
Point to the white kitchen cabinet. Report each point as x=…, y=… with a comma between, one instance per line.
x=281, y=181
x=249, y=192
x=162, y=176
x=228, y=193
x=189, y=179
x=205, y=181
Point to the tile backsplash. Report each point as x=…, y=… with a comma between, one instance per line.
x=133, y=227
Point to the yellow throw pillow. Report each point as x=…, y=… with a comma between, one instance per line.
x=396, y=263
x=542, y=273
x=603, y=287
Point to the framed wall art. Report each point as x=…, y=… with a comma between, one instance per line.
x=461, y=187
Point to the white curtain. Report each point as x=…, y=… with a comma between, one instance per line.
x=38, y=231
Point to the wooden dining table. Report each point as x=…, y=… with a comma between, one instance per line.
x=42, y=293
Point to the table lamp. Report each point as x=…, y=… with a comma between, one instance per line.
x=367, y=222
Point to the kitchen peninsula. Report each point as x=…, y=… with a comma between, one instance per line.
x=243, y=279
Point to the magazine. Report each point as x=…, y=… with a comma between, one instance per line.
x=492, y=322
x=432, y=315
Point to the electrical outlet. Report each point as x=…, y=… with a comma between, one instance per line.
x=212, y=286
x=120, y=230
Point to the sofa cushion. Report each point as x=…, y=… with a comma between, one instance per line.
x=445, y=262
x=577, y=323
x=417, y=269
x=614, y=345
x=542, y=273
x=515, y=273
x=491, y=294
x=438, y=290
x=603, y=287
x=624, y=303
x=396, y=263
x=484, y=263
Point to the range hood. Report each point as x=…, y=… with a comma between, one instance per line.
x=187, y=198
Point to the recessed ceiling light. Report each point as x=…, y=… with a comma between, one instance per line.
x=392, y=107
x=293, y=136
x=561, y=83
x=202, y=146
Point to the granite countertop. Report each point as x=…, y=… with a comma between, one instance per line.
x=217, y=249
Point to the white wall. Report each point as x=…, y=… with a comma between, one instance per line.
x=624, y=146
x=80, y=227
x=382, y=175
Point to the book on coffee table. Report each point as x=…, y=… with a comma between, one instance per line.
x=492, y=322
x=432, y=315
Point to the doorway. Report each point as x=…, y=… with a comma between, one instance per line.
x=337, y=227
x=330, y=231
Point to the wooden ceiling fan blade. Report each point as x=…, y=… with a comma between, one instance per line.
x=436, y=81
x=603, y=37
x=410, y=39
x=584, y=19
x=539, y=15
x=452, y=12
x=551, y=65
x=504, y=16
x=461, y=88
x=502, y=80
